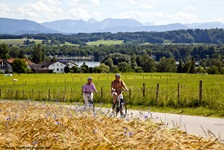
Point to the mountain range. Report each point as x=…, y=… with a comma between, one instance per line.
x=15, y=26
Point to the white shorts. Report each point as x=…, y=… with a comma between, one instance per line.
x=87, y=97
x=114, y=93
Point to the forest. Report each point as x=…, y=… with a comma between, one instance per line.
x=191, y=51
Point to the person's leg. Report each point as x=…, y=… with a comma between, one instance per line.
x=91, y=96
x=114, y=98
x=85, y=97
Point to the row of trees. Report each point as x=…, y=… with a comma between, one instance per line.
x=177, y=51
x=209, y=36
x=145, y=63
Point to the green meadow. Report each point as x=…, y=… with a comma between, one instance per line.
x=106, y=42
x=161, y=90
x=18, y=41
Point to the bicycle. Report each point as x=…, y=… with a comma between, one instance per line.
x=120, y=106
x=90, y=104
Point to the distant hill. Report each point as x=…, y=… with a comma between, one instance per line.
x=92, y=25
x=207, y=25
x=14, y=26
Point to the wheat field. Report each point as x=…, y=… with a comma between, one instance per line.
x=33, y=125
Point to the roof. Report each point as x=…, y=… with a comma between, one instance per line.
x=11, y=60
x=64, y=61
x=38, y=67
x=49, y=62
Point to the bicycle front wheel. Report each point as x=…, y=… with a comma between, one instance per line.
x=123, y=109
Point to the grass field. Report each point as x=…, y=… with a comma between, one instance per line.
x=67, y=87
x=106, y=42
x=68, y=44
x=18, y=41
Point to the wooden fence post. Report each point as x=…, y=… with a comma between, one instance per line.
x=23, y=94
x=157, y=93
x=17, y=94
x=200, y=92
x=49, y=94
x=39, y=96
x=129, y=93
x=178, y=93
x=143, y=90
x=11, y=94
x=101, y=93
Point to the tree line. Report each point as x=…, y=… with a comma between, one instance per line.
x=208, y=36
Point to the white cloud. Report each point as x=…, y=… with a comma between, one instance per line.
x=4, y=7
x=5, y=11
x=40, y=11
x=79, y=13
x=190, y=8
x=159, y=17
x=142, y=3
x=84, y=3
x=185, y=17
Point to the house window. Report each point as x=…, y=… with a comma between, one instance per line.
x=57, y=69
x=57, y=64
x=61, y=65
x=53, y=65
x=61, y=69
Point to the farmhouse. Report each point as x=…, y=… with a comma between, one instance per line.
x=52, y=66
x=6, y=65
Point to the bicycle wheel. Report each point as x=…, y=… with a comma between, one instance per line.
x=115, y=110
x=91, y=106
x=123, y=109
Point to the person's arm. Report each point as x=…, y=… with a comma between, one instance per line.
x=83, y=88
x=124, y=86
x=112, y=87
x=94, y=88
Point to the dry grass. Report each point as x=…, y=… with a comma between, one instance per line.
x=27, y=124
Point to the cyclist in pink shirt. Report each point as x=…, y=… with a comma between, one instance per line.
x=88, y=90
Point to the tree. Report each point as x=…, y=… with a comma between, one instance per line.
x=189, y=66
x=4, y=51
x=66, y=69
x=167, y=65
x=147, y=63
x=19, y=65
x=213, y=70
x=104, y=68
x=180, y=67
x=200, y=70
x=84, y=68
x=75, y=69
x=37, y=54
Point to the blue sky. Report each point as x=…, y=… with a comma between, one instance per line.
x=152, y=11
